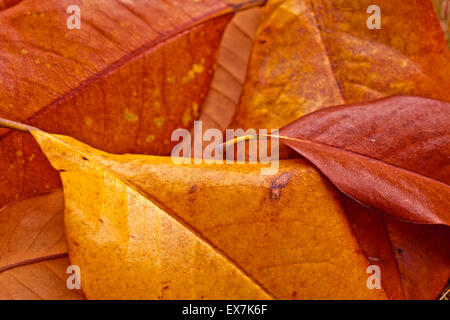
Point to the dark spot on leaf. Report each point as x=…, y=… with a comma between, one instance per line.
x=100, y=220
x=278, y=184
x=62, y=170
x=399, y=250
x=267, y=30
x=85, y=159
x=192, y=188
x=262, y=41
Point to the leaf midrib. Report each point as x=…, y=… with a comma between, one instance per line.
x=186, y=27
x=166, y=210
x=33, y=261
x=378, y=161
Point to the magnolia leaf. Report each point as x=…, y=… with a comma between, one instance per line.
x=229, y=77
x=141, y=227
x=134, y=72
x=327, y=56
x=391, y=155
x=242, y=26
x=337, y=60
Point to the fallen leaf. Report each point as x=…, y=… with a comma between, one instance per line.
x=141, y=227
x=123, y=82
x=327, y=56
x=33, y=253
x=157, y=228
x=391, y=155
x=229, y=76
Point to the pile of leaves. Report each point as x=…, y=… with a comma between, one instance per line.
x=87, y=179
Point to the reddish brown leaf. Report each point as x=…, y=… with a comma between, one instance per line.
x=364, y=149
x=133, y=73
x=142, y=227
x=391, y=155
x=327, y=56
x=4, y=4
x=312, y=54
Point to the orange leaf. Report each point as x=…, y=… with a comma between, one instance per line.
x=141, y=227
x=133, y=73
x=327, y=56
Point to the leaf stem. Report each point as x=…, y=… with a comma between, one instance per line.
x=253, y=137
x=16, y=125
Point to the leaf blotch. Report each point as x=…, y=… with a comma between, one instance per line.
x=129, y=116
x=192, y=188
x=278, y=184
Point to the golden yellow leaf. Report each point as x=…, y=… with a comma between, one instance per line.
x=328, y=56
x=141, y=227
x=134, y=72
x=311, y=54
x=12, y=264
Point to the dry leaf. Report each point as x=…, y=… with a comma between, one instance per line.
x=132, y=74
x=327, y=56
x=33, y=253
x=391, y=155
x=141, y=227
x=242, y=24
x=229, y=76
